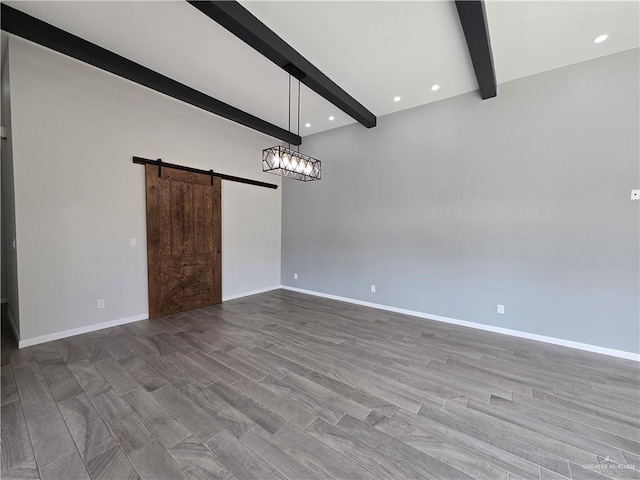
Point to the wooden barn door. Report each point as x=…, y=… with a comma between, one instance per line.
x=183, y=240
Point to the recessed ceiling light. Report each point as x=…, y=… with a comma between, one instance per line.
x=396, y=99
x=332, y=118
x=307, y=125
x=435, y=87
x=601, y=38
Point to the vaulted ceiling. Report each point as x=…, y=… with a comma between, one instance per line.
x=374, y=50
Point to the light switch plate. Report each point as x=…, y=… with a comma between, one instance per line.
x=133, y=242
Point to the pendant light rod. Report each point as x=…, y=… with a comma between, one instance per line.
x=298, y=112
x=289, y=163
x=289, y=129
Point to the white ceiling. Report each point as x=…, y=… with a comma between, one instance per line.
x=374, y=50
x=378, y=50
x=535, y=36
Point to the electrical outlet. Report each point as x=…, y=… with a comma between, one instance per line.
x=101, y=303
x=635, y=194
x=373, y=289
x=133, y=242
x=295, y=276
x=501, y=309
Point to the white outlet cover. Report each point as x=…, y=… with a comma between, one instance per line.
x=501, y=309
x=373, y=289
x=635, y=194
x=133, y=242
x=295, y=276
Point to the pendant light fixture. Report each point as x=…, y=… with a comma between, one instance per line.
x=289, y=163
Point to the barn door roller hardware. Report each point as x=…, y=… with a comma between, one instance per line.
x=160, y=164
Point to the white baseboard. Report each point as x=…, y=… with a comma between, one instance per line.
x=77, y=331
x=246, y=294
x=112, y=323
x=13, y=325
x=479, y=326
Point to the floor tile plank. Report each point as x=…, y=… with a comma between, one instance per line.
x=240, y=459
x=142, y=373
x=267, y=419
x=422, y=439
x=323, y=456
x=32, y=386
x=153, y=462
x=61, y=382
x=361, y=453
x=18, y=460
x=115, y=375
x=162, y=425
x=127, y=429
x=279, y=456
x=225, y=373
x=49, y=434
x=69, y=468
x=112, y=464
x=89, y=378
x=194, y=418
x=88, y=430
x=315, y=405
x=232, y=420
x=423, y=464
x=285, y=406
x=8, y=388
x=198, y=461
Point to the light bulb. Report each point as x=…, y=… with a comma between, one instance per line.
x=308, y=168
x=276, y=161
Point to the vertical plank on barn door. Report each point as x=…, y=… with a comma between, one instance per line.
x=184, y=223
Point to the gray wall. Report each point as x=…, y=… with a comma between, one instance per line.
x=460, y=205
x=79, y=198
x=9, y=263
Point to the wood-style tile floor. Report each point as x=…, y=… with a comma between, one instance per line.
x=284, y=385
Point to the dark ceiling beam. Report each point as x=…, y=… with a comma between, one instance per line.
x=240, y=22
x=474, y=23
x=35, y=30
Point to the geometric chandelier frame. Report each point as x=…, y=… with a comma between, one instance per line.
x=289, y=163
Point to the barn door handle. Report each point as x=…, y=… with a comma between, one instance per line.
x=211, y=174
x=159, y=168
